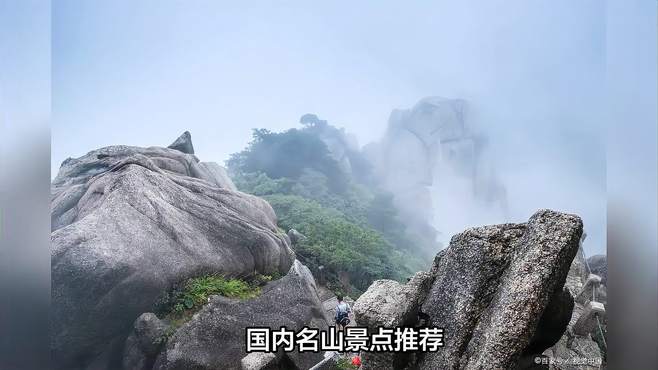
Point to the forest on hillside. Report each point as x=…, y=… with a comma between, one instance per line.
x=351, y=225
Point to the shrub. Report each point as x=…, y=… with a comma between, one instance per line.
x=339, y=244
x=352, y=227
x=178, y=305
x=197, y=291
x=344, y=363
x=287, y=155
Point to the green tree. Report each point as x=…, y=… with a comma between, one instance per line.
x=353, y=228
x=288, y=154
x=339, y=244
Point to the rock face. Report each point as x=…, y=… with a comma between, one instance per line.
x=497, y=292
x=183, y=143
x=573, y=350
x=143, y=345
x=431, y=145
x=390, y=304
x=127, y=224
x=215, y=337
x=493, y=285
x=259, y=361
x=553, y=321
x=218, y=175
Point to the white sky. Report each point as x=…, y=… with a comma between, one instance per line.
x=141, y=73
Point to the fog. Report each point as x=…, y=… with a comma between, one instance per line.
x=531, y=72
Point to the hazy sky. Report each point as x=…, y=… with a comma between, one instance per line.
x=140, y=73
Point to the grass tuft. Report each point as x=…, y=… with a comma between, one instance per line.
x=196, y=291
x=179, y=305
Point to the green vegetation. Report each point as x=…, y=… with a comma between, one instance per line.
x=338, y=243
x=352, y=227
x=198, y=290
x=287, y=155
x=178, y=305
x=344, y=363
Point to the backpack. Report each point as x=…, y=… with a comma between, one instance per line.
x=342, y=317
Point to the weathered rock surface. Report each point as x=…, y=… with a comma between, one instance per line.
x=215, y=337
x=468, y=275
x=183, y=143
x=553, y=321
x=431, y=144
x=259, y=361
x=390, y=304
x=536, y=271
x=130, y=222
x=143, y=345
x=217, y=174
x=572, y=351
x=498, y=292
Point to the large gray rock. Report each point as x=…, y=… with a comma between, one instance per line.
x=492, y=286
x=218, y=175
x=429, y=145
x=467, y=276
x=390, y=304
x=215, y=337
x=572, y=351
x=142, y=346
x=259, y=361
x=183, y=143
x=130, y=222
x=551, y=327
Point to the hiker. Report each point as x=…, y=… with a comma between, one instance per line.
x=343, y=311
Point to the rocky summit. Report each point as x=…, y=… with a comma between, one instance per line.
x=132, y=225
x=183, y=143
x=497, y=291
x=127, y=224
